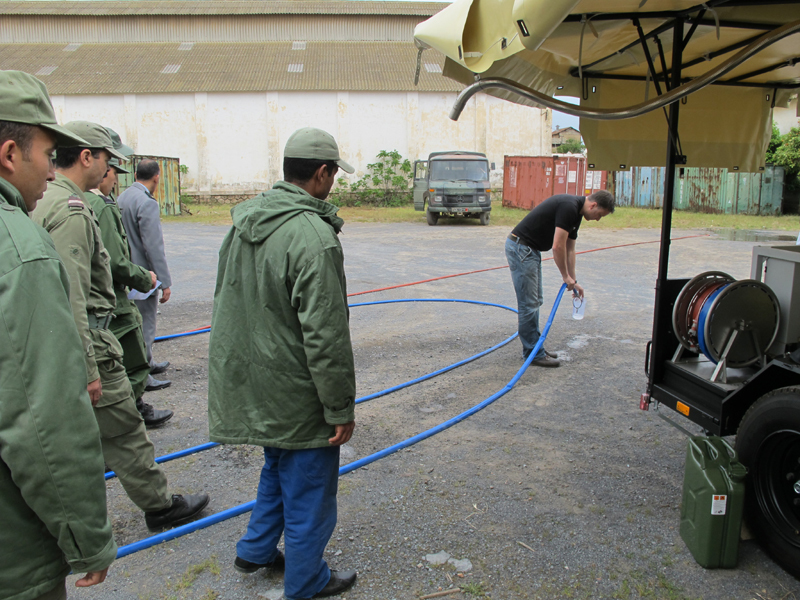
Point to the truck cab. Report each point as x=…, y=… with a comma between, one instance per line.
x=453, y=184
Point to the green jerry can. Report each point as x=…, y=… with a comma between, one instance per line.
x=713, y=500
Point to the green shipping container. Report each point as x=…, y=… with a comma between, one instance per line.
x=713, y=500
x=168, y=191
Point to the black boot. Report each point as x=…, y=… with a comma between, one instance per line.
x=339, y=582
x=154, y=384
x=153, y=417
x=182, y=510
x=158, y=367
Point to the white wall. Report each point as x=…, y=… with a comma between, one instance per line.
x=233, y=142
x=786, y=118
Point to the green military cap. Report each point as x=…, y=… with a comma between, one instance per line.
x=315, y=144
x=118, y=145
x=95, y=136
x=114, y=162
x=24, y=99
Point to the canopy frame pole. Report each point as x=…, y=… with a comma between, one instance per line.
x=649, y=57
x=661, y=304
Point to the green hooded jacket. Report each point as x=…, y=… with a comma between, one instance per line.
x=52, y=490
x=281, y=368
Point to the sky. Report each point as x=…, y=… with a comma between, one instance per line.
x=563, y=120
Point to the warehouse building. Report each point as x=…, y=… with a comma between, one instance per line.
x=222, y=84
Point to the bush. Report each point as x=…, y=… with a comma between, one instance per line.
x=386, y=183
x=785, y=152
x=574, y=146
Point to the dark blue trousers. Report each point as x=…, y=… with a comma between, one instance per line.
x=296, y=498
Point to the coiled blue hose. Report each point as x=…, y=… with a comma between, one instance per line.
x=208, y=445
x=248, y=506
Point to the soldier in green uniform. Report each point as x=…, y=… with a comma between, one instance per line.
x=127, y=322
x=52, y=492
x=65, y=214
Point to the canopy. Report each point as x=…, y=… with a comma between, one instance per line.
x=733, y=62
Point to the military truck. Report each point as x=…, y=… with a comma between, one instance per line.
x=453, y=184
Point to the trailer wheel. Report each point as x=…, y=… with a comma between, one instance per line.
x=431, y=217
x=484, y=217
x=768, y=443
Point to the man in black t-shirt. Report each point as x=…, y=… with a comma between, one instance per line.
x=553, y=224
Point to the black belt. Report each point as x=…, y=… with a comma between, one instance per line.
x=518, y=240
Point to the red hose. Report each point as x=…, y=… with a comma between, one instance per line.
x=393, y=287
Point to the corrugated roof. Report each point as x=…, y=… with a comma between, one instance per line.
x=225, y=67
x=219, y=7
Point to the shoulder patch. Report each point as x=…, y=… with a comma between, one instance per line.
x=75, y=203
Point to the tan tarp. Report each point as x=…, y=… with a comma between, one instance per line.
x=739, y=115
x=718, y=126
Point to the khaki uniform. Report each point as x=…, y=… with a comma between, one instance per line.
x=127, y=322
x=127, y=450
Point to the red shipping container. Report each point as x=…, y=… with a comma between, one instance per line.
x=530, y=180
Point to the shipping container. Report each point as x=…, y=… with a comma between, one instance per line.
x=704, y=190
x=168, y=191
x=530, y=180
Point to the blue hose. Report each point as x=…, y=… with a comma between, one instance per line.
x=161, y=338
x=248, y=506
x=207, y=445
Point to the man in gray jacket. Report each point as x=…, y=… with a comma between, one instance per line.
x=140, y=217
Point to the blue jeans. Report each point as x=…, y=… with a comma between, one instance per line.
x=525, y=264
x=296, y=497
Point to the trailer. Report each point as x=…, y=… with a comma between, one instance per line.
x=695, y=82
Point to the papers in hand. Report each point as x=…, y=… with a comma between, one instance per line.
x=137, y=295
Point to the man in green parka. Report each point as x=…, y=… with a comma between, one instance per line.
x=127, y=322
x=281, y=371
x=70, y=221
x=52, y=490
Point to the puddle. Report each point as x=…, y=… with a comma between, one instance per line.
x=754, y=235
x=579, y=342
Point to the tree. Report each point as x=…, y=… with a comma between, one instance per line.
x=574, y=146
x=386, y=183
x=785, y=152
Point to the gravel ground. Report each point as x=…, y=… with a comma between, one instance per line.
x=562, y=488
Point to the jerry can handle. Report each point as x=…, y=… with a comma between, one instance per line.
x=704, y=451
x=698, y=451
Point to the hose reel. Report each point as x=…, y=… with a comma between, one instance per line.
x=731, y=323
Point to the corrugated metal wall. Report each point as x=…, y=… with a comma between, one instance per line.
x=704, y=190
x=205, y=28
x=168, y=192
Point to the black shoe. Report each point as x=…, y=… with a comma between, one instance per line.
x=153, y=417
x=339, y=582
x=546, y=361
x=157, y=368
x=182, y=510
x=551, y=354
x=154, y=384
x=245, y=566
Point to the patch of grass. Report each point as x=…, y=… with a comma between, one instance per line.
x=473, y=589
x=187, y=580
x=623, y=218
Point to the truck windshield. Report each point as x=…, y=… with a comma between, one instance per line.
x=459, y=170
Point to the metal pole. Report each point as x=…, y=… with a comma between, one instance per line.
x=666, y=217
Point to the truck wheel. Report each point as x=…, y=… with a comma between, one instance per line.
x=484, y=217
x=432, y=217
x=768, y=443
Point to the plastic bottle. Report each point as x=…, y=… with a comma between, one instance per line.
x=578, y=306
